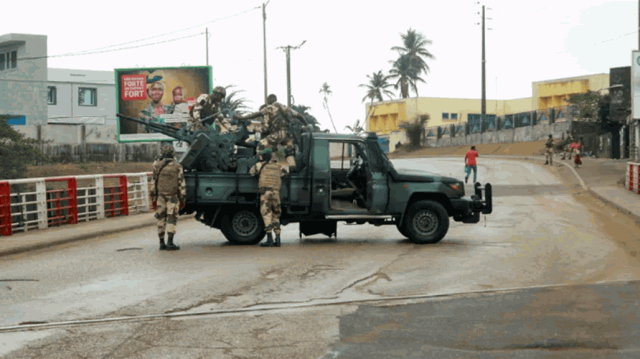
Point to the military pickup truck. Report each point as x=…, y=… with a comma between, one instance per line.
x=337, y=178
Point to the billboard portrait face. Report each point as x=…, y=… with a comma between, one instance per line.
x=160, y=95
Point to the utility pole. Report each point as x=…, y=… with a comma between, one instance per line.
x=206, y=32
x=287, y=50
x=264, y=40
x=483, y=101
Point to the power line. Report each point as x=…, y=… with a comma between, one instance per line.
x=597, y=43
x=168, y=33
x=119, y=49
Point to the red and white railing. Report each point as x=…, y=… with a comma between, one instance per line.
x=632, y=182
x=40, y=203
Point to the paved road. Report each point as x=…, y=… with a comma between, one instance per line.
x=538, y=235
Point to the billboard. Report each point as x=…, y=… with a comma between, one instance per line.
x=635, y=84
x=164, y=95
x=620, y=91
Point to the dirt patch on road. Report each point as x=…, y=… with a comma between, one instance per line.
x=76, y=169
x=519, y=148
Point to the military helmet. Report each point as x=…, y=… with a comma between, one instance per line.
x=168, y=151
x=221, y=90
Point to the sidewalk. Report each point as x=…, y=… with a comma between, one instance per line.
x=36, y=239
x=602, y=177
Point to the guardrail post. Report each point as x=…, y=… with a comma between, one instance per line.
x=72, y=193
x=144, y=182
x=5, y=209
x=124, y=195
x=637, y=178
x=100, y=197
x=41, y=199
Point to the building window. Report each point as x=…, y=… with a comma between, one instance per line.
x=445, y=115
x=87, y=96
x=52, y=95
x=8, y=60
x=454, y=116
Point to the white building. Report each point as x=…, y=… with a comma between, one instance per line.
x=63, y=105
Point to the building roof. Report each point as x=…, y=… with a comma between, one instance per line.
x=81, y=76
x=584, y=77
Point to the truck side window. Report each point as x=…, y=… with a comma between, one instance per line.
x=375, y=160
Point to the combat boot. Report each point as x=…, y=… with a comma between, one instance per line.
x=170, y=245
x=269, y=242
x=277, y=239
x=162, y=245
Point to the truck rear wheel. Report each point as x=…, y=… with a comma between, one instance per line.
x=244, y=226
x=426, y=222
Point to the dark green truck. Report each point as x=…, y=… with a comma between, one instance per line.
x=337, y=178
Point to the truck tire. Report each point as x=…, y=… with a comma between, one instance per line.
x=426, y=222
x=244, y=226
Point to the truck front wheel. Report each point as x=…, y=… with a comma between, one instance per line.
x=244, y=226
x=426, y=222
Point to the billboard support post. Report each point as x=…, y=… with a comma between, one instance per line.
x=635, y=99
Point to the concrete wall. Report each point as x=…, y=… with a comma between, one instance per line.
x=22, y=89
x=102, y=152
x=71, y=134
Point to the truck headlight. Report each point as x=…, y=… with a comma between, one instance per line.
x=457, y=186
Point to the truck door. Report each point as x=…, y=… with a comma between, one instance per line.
x=320, y=177
x=377, y=181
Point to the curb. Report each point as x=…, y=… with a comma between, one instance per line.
x=81, y=237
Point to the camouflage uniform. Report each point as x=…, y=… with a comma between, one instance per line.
x=566, y=154
x=549, y=151
x=169, y=191
x=269, y=185
x=275, y=128
x=149, y=113
x=207, y=105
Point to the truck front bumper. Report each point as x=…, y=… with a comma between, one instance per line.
x=468, y=211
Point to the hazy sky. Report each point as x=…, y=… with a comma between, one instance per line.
x=345, y=41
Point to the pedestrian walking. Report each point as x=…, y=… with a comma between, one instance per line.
x=269, y=172
x=169, y=193
x=576, y=147
x=471, y=164
x=549, y=150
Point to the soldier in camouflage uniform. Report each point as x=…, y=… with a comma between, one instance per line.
x=275, y=127
x=269, y=185
x=207, y=105
x=566, y=154
x=169, y=192
x=549, y=150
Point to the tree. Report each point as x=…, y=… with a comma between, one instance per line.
x=414, y=47
x=356, y=128
x=326, y=91
x=586, y=106
x=17, y=151
x=407, y=75
x=302, y=109
x=377, y=87
x=231, y=105
x=414, y=129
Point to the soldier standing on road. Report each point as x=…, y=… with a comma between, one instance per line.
x=207, y=105
x=549, y=151
x=169, y=192
x=566, y=154
x=269, y=185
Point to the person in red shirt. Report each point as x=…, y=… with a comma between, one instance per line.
x=471, y=164
x=576, y=147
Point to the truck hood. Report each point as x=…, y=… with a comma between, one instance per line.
x=408, y=175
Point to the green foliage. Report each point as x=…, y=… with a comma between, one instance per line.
x=411, y=63
x=326, y=91
x=17, y=152
x=377, y=87
x=356, y=128
x=231, y=105
x=302, y=109
x=414, y=129
x=587, y=105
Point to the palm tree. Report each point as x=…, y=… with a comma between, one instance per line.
x=302, y=109
x=407, y=75
x=414, y=46
x=325, y=90
x=377, y=87
x=230, y=105
x=356, y=128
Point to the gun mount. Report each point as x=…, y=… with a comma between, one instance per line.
x=209, y=151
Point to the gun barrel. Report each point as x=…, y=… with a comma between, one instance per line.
x=164, y=129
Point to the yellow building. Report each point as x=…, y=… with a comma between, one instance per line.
x=384, y=118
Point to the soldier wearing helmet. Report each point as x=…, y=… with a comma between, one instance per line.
x=269, y=172
x=169, y=193
x=276, y=119
x=207, y=105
